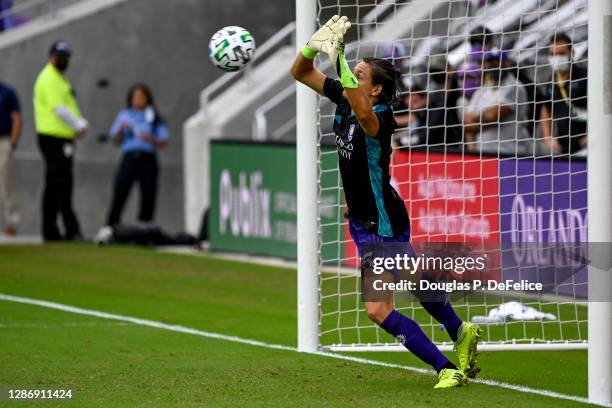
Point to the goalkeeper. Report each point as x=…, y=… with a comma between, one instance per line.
x=363, y=127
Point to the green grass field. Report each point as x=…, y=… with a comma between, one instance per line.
x=111, y=363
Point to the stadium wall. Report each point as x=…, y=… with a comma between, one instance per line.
x=158, y=42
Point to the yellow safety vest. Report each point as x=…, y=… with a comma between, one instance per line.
x=52, y=90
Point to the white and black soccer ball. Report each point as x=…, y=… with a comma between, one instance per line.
x=231, y=48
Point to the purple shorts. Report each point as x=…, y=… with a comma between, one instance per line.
x=370, y=245
x=362, y=236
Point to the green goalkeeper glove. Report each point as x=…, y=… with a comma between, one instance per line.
x=330, y=40
x=336, y=53
x=347, y=78
x=321, y=40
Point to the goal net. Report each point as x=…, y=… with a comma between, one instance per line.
x=490, y=150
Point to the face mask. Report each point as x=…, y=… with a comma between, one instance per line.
x=559, y=63
x=62, y=64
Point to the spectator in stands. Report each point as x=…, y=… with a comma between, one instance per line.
x=411, y=121
x=494, y=116
x=564, y=100
x=141, y=131
x=481, y=40
x=432, y=117
x=10, y=131
x=58, y=123
x=443, y=126
x=524, y=73
x=469, y=78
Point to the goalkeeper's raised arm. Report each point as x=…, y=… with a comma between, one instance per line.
x=359, y=87
x=327, y=39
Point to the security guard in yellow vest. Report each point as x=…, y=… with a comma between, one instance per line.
x=58, y=123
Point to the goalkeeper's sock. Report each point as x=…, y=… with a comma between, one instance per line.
x=444, y=313
x=410, y=334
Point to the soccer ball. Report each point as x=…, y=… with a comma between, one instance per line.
x=231, y=48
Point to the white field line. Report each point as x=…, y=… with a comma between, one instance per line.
x=240, y=340
x=64, y=324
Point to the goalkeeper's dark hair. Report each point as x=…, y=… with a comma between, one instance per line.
x=385, y=74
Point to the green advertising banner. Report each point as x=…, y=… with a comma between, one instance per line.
x=253, y=200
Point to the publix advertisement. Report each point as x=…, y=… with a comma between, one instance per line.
x=520, y=204
x=253, y=200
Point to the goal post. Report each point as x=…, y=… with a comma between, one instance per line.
x=307, y=193
x=600, y=198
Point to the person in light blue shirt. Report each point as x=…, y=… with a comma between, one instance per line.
x=141, y=132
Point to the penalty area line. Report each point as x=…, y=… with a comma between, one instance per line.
x=257, y=343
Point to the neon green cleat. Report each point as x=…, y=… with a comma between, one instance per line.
x=450, y=378
x=469, y=336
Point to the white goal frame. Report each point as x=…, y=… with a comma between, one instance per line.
x=599, y=204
